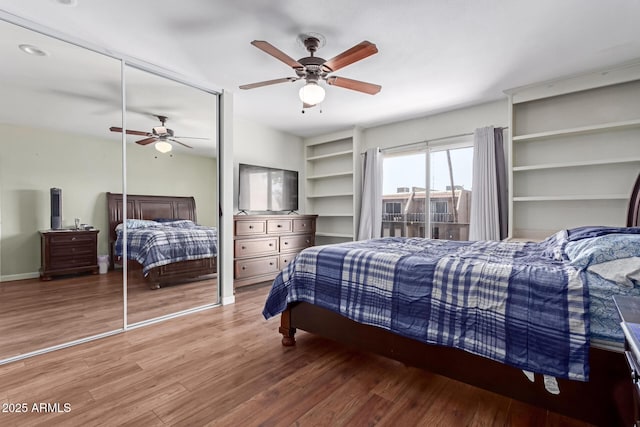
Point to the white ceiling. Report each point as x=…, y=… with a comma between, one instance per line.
x=433, y=55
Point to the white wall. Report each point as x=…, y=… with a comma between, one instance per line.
x=464, y=120
x=257, y=144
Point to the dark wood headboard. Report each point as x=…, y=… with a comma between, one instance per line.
x=634, y=205
x=148, y=207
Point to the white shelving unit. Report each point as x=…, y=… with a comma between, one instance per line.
x=332, y=184
x=574, y=154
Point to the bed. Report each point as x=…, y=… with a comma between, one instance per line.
x=154, y=215
x=605, y=399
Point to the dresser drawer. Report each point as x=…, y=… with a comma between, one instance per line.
x=303, y=225
x=250, y=228
x=69, y=251
x=256, y=267
x=285, y=259
x=75, y=239
x=278, y=226
x=70, y=261
x=263, y=246
x=298, y=242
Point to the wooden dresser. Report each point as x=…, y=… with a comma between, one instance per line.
x=68, y=252
x=265, y=244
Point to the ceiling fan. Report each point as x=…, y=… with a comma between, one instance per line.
x=161, y=135
x=313, y=69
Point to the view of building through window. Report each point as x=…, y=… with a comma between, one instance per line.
x=409, y=210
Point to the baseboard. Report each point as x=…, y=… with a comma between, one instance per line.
x=229, y=300
x=21, y=276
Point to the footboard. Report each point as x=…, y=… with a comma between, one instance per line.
x=182, y=270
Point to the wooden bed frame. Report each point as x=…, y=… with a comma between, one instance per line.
x=606, y=399
x=153, y=207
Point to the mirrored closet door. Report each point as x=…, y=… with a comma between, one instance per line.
x=172, y=200
x=58, y=161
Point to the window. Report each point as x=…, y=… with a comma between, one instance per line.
x=446, y=170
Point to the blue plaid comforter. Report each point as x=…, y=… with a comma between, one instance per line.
x=517, y=303
x=169, y=242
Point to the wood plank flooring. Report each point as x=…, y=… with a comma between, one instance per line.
x=226, y=367
x=36, y=314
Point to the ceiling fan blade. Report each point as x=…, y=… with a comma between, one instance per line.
x=358, y=85
x=276, y=53
x=349, y=56
x=181, y=143
x=146, y=141
x=129, y=132
x=269, y=82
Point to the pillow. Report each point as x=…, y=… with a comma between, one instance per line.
x=589, y=231
x=596, y=250
x=623, y=272
x=179, y=223
x=138, y=223
x=164, y=219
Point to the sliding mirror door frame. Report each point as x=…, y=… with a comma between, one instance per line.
x=179, y=184
x=124, y=60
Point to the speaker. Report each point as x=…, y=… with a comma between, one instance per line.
x=56, y=208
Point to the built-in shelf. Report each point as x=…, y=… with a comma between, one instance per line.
x=582, y=172
x=578, y=130
x=576, y=164
x=330, y=155
x=330, y=175
x=572, y=197
x=320, y=196
x=332, y=183
x=345, y=235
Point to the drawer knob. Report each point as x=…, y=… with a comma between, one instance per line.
x=286, y=243
x=270, y=244
x=308, y=241
x=244, y=268
x=73, y=238
x=251, y=227
x=279, y=225
x=243, y=247
x=270, y=263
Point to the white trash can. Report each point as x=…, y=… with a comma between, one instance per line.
x=103, y=263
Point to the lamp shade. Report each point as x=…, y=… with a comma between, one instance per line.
x=163, y=146
x=311, y=93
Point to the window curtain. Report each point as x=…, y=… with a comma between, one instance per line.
x=489, y=182
x=371, y=204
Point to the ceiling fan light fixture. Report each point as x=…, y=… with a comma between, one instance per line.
x=163, y=146
x=311, y=93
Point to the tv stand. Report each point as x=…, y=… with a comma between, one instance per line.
x=265, y=244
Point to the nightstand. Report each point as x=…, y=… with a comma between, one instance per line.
x=68, y=252
x=629, y=311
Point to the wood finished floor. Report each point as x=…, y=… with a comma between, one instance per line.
x=226, y=367
x=36, y=314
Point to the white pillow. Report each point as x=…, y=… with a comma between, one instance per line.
x=623, y=271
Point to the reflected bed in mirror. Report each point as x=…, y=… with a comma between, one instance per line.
x=164, y=239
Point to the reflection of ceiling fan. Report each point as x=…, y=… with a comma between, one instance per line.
x=313, y=69
x=161, y=135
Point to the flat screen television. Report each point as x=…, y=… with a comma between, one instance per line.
x=266, y=189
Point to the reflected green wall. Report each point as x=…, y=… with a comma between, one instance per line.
x=34, y=160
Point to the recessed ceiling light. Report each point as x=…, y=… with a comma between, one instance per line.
x=32, y=50
x=67, y=2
